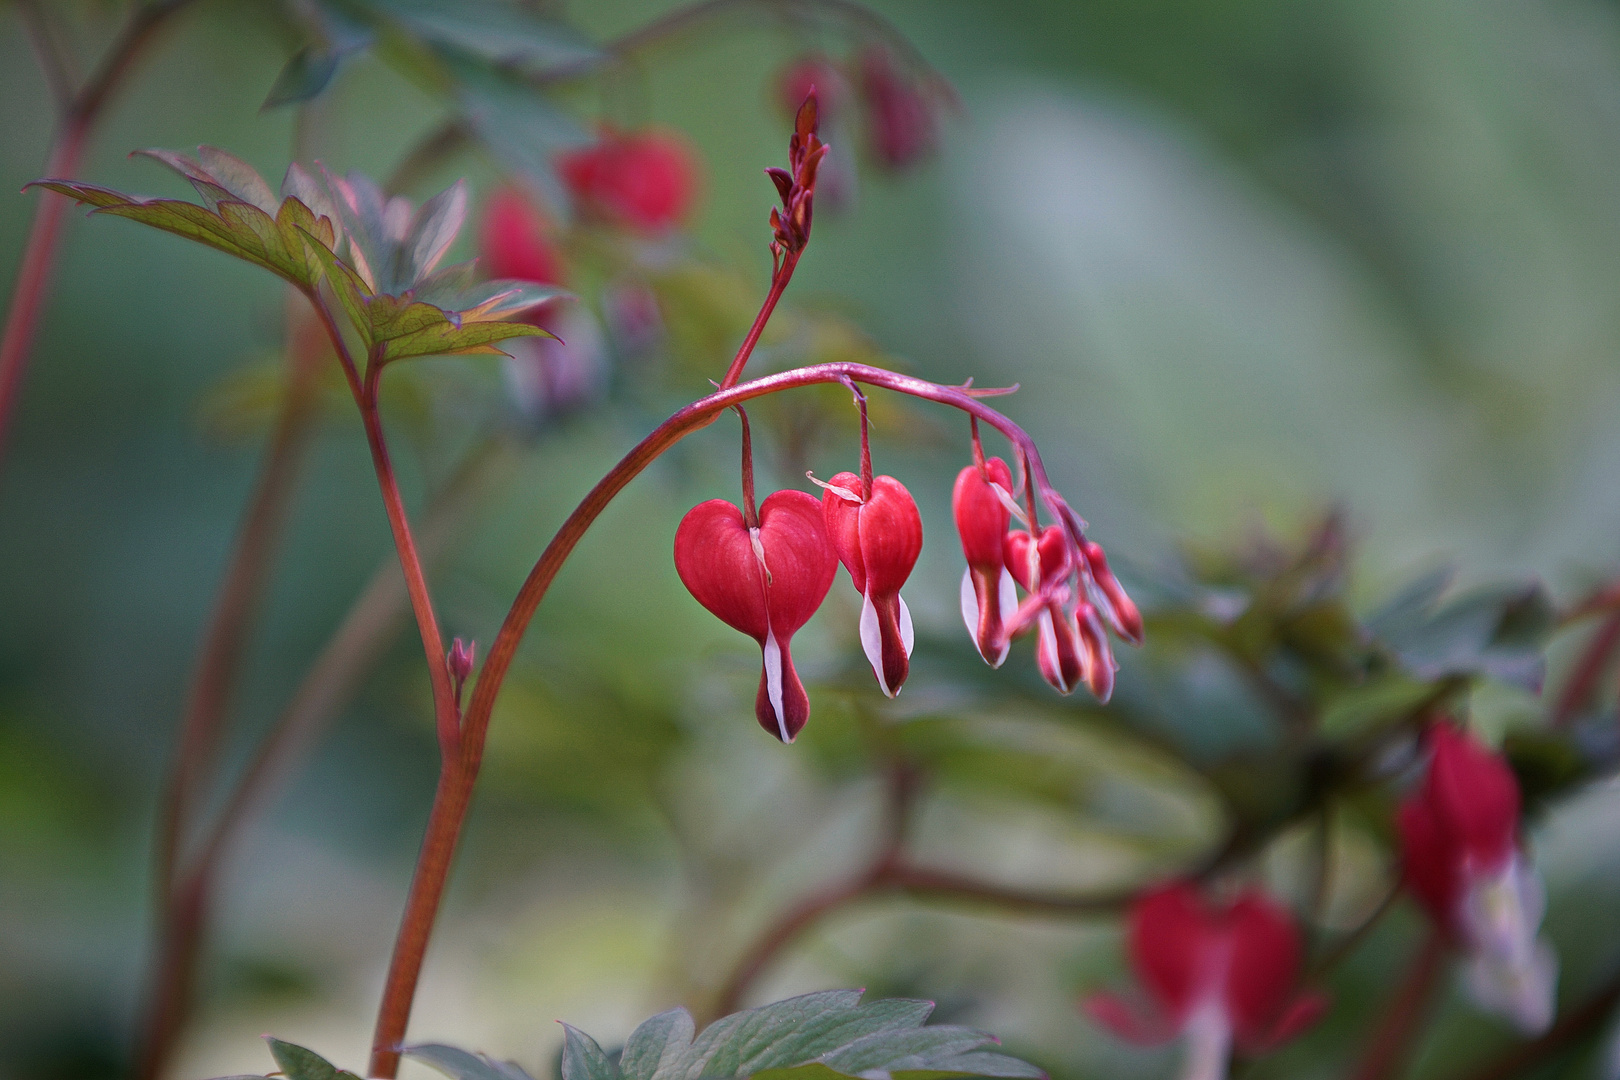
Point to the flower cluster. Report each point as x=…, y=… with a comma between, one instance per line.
x=1463, y=859
x=797, y=183
x=1219, y=975
x=767, y=581
x=1069, y=588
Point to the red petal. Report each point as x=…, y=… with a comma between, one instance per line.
x=1429, y=860
x=716, y=562
x=1264, y=965
x=1475, y=794
x=1058, y=651
x=647, y=181
x=890, y=536
x=1052, y=552
x=512, y=240
x=1132, y=1021
x=1171, y=937
x=799, y=556
x=981, y=517
x=1123, y=614
x=794, y=701
x=1097, y=657
x=1300, y=1014
x=842, y=519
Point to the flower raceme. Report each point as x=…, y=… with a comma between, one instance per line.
x=646, y=181
x=1216, y=975
x=1462, y=858
x=766, y=580
x=878, y=538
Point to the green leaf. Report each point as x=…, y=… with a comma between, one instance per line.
x=1498, y=631
x=507, y=34
x=518, y=124
x=298, y=1063
x=582, y=1058
x=464, y=1066
x=236, y=228
x=308, y=72
x=830, y=1032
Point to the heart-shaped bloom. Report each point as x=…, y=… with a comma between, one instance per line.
x=513, y=240
x=1462, y=858
x=646, y=181
x=1216, y=975
x=988, y=596
x=901, y=124
x=878, y=540
x=766, y=582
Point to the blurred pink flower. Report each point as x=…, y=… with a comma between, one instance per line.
x=646, y=181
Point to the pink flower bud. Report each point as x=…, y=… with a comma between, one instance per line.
x=766, y=582
x=878, y=542
x=1216, y=975
x=512, y=240
x=1461, y=856
x=1120, y=611
x=460, y=660
x=1059, y=652
x=646, y=181
x=988, y=596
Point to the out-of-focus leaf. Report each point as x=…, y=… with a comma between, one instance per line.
x=518, y=124
x=502, y=33
x=583, y=1059
x=1497, y=631
x=305, y=74
x=1408, y=608
x=299, y=1063
x=1361, y=707
x=465, y=1066
x=824, y=1035
x=1546, y=763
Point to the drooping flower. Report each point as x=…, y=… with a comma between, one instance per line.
x=1121, y=610
x=645, y=181
x=1462, y=858
x=988, y=596
x=878, y=539
x=1216, y=975
x=766, y=581
x=514, y=240
x=901, y=124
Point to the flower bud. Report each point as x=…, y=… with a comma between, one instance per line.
x=1119, y=609
x=988, y=596
x=646, y=181
x=1043, y=568
x=878, y=541
x=766, y=582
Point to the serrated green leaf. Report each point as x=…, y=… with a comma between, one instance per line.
x=583, y=1059
x=238, y=177
x=446, y=339
x=462, y=1065
x=299, y=1063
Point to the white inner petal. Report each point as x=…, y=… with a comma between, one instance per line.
x=1046, y=646
x=872, y=641
x=1208, y=1032
x=970, y=608
x=773, y=682
x=1510, y=971
x=908, y=636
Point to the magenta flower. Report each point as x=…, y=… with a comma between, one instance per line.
x=765, y=580
x=1216, y=975
x=1462, y=858
x=878, y=539
x=646, y=181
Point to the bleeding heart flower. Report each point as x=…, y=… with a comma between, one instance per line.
x=988, y=596
x=645, y=181
x=513, y=243
x=900, y=117
x=1462, y=858
x=765, y=581
x=1043, y=569
x=1119, y=608
x=878, y=540
x=1216, y=975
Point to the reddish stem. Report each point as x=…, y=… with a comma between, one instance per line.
x=750, y=508
x=779, y=283
x=1588, y=671
x=67, y=152
x=1397, y=1032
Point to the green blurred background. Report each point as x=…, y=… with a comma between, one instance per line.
x=1246, y=258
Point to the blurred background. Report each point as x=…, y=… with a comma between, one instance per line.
x=1248, y=260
